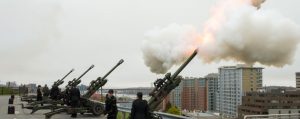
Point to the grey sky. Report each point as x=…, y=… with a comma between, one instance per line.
x=42, y=40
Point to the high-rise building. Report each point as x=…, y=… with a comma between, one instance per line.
x=233, y=83
x=31, y=88
x=196, y=93
x=175, y=96
x=298, y=80
x=212, y=88
x=190, y=94
x=193, y=94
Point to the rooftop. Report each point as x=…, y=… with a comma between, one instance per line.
x=240, y=66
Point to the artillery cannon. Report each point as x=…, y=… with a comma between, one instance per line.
x=164, y=86
x=87, y=105
x=52, y=104
x=56, y=83
x=77, y=81
x=61, y=81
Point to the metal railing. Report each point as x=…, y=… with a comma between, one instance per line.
x=170, y=116
x=125, y=111
x=273, y=116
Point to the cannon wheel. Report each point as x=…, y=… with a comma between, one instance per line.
x=97, y=109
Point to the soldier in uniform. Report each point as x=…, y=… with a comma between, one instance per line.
x=26, y=90
x=46, y=91
x=67, y=96
x=140, y=108
x=54, y=93
x=39, y=94
x=111, y=105
x=74, y=99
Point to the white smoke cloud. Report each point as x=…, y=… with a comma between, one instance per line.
x=167, y=46
x=235, y=31
x=252, y=36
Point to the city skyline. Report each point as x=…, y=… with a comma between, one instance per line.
x=42, y=41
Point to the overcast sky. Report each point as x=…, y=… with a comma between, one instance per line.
x=42, y=40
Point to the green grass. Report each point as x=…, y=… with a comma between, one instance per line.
x=7, y=91
x=120, y=115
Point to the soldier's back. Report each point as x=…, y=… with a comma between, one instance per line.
x=140, y=109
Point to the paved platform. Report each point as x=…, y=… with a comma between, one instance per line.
x=25, y=113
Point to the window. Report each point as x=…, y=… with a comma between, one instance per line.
x=202, y=83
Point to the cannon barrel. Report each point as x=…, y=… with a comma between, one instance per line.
x=92, y=66
x=99, y=82
x=184, y=65
x=60, y=81
x=67, y=75
x=87, y=105
x=76, y=81
x=166, y=85
x=119, y=63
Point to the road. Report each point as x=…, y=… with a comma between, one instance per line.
x=25, y=113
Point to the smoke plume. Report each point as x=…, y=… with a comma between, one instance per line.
x=237, y=30
x=165, y=47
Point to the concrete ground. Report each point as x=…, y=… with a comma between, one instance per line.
x=25, y=113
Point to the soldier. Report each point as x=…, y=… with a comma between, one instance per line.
x=140, y=108
x=111, y=105
x=74, y=99
x=67, y=96
x=26, y=90
x=39, y=94
x=54, y=93
x=46, y=91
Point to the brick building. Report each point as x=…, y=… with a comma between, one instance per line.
x=274, y=102
x=195, y=93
